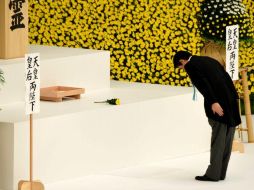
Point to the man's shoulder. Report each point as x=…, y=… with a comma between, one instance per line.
x=202, y=57
x=205, y=60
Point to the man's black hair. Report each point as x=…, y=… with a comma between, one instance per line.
x=180, y=55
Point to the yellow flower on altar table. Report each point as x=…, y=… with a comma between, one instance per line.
x=114, y=101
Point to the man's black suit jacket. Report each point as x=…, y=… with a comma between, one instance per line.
x=215, y=84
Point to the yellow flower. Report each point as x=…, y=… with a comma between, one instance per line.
x=141, y=37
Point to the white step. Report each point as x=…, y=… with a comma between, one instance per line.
x=89, y=69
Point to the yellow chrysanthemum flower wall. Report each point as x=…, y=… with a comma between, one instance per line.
x=141, y=35
x=246, y=54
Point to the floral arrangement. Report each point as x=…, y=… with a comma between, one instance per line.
x=213, y=18
x=215, y=15
x=114, y=101
x=142, y=36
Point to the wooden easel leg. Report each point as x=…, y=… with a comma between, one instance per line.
x=238, y=146
x=247, y=106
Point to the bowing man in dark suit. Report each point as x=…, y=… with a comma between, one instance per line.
x=221, y=107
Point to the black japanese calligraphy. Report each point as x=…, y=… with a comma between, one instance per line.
x=235, y=44
x=29, y=75
x=232, y=51
x=230, y=34
x=236, y=33
x=17, y=17
x=35, y=73
x=32, y=86
x=232, y=56
x=36, y=61
x=229, y=46
x=32, y=105
x=32, y=96
x=32, y=82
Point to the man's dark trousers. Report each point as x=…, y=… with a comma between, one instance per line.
x=221, y=147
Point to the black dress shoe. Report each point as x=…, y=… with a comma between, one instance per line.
x=204, y=178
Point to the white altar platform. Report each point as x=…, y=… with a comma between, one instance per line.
x=78, y=137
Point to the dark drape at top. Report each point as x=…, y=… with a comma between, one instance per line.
x=215, y=84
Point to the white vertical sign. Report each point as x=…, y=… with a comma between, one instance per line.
x=232, y=48
x=32, y=81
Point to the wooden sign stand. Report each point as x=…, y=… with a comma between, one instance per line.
x=238, y=145
x=30, y=185
x=246, y=99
